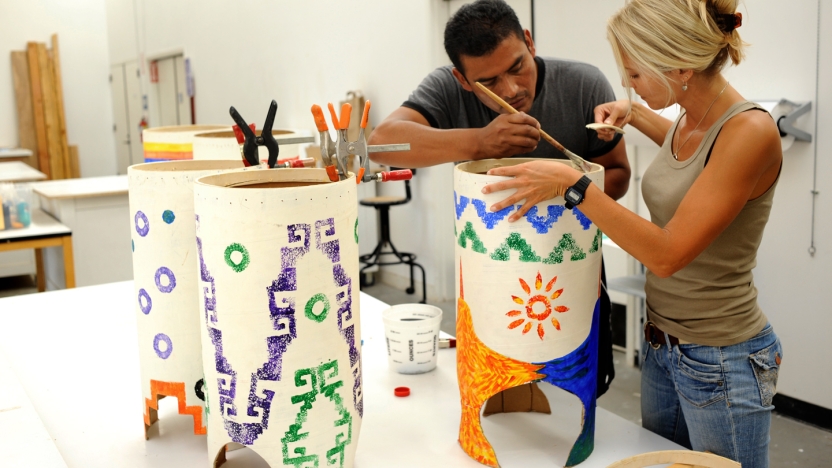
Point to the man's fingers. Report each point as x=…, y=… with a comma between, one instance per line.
x=525, y=119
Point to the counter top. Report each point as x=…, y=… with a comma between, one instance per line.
x=82, y=188
x=16, y=171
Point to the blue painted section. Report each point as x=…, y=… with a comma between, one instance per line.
x=542, y=224
x=576, y=373
x=460, y=204
x=491, y=219
x=585, y=222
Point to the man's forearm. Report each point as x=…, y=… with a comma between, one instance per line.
x=616, y=182
x=428, y=146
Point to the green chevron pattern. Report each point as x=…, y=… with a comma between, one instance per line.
x=566, y=243
x=515, y=242
x=469, y=233
x=596, y=243
x=566, y=248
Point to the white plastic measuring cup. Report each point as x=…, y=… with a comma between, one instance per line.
x=412, y=335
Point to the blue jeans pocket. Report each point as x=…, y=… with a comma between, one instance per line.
x=700, y=383
x=766, y=366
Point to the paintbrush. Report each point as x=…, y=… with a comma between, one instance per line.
x=577, y=160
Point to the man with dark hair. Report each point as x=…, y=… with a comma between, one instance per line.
x=447, y=119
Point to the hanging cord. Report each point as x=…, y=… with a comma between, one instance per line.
x=531, y=5
x=815, y=192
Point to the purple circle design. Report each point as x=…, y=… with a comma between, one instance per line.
x=145, y=308
x=171, y=279
x=168, y=348
x=144, y=229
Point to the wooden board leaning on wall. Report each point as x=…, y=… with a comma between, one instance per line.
x=41, y=115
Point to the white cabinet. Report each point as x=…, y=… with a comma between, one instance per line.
x=97, y=211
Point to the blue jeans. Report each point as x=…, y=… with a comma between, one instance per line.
x=713, y=398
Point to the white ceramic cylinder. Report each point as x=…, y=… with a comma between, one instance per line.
x=165, y=276
x=174, y=143
x=528, y=301
x=411, y=332
x=281, y=336
x=501, y=263
x=223, y=145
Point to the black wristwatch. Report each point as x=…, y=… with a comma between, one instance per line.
x=575, y=194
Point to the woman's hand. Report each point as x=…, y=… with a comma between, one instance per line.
x=535, y=182
x=618, y=113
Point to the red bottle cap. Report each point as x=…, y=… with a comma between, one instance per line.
x=401, y=391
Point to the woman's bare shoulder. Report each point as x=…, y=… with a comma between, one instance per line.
x=753, y=131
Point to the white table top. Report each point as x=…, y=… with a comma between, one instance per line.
x=75, y=352
x=82, y=188
x=21, y=427
x=16, y=171
x=42, y=225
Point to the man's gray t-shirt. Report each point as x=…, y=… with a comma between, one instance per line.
x=565, y=99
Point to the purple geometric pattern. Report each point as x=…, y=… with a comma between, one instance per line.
x=282, y=314
x=332, y=248
x=343, y=300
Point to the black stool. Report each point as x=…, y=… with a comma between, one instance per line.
x=383, y=204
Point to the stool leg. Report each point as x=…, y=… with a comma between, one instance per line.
x=384, y=225
x=412, y=287
x=375, y=258
x=424, y=282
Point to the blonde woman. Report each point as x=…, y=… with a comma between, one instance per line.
x=710, y=358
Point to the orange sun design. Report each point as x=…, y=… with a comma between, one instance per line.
x=541, y=313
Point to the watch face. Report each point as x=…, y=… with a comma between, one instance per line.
x=573, y=195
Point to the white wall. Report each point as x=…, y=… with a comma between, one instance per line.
x=796, y=288
x=82, y=35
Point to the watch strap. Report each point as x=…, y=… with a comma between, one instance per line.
x=580, y=186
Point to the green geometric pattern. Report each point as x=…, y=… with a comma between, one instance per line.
x=316, y=379
x=567, y=242
x=469, y=233
x=596, y=243
x=515, y=242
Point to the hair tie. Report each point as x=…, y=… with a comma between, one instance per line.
x=728, y=22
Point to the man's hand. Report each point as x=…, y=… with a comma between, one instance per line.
x=508, y=135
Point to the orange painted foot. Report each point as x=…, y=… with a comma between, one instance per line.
x=159, y=390
x=482, y=372
x=472, y=439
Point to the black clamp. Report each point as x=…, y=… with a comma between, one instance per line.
x=252, y=141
